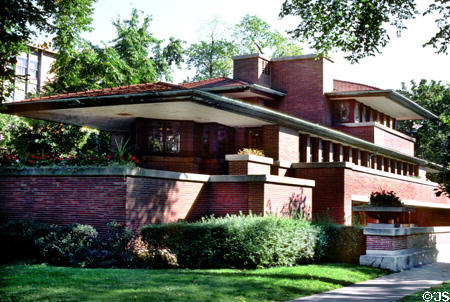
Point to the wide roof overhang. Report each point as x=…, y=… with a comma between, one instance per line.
x=386, y=101
x=117, y=112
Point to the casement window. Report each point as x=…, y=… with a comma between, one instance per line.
x=27, y=71
x=164, y=138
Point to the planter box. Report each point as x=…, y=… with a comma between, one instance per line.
x=384, y=214
x=248, y=164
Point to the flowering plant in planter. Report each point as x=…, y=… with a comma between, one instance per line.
x=12, y=160
x=250, y=151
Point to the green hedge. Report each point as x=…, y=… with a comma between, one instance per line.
x=236, y=241
x=339, y=243
x=70, y=245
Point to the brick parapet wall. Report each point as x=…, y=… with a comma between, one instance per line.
x=138, y=200
x=381, y=136
x=64, y=200
x=336, y=186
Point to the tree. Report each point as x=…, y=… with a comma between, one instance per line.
x=211, y=57
x=134, y=57
x=358, y=27
x=253, y=34
x=24, y=19
x=432, y=136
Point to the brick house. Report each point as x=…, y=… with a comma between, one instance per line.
x=327, y=143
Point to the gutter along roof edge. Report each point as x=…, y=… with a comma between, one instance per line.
x=394, y=96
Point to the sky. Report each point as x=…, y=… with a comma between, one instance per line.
x=402, y=60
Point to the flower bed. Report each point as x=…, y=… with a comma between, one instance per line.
x=11, y=160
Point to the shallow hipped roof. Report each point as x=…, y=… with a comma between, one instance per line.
x=129, y=89
x=214, y=82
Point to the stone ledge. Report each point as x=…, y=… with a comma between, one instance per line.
x=140, y=172
x=404, y=231
x=391, y=253
x=406, y=202
x=282, y=164
x=263, y=178
x=397, y=263
x=250, y=158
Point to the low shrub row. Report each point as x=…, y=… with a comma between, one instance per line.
x=71, y=245
x=236, y=241
x=227, y=242
x=340, y=243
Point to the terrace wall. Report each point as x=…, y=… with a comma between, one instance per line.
x=339, y=184
x=141, y=196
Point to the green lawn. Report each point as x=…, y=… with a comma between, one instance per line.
x=47, y=283
x=434, y=291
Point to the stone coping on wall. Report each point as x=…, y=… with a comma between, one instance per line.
x=140, y=172
x=352, y=166
x=404, y=231
x=249, y=157
x=282, y=164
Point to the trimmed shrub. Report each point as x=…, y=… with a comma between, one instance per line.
x=339, y=243
x=236, y=241
x=67, y=245
x=113, y=250
x=70, y=245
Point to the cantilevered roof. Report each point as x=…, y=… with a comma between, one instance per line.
x=386, y=101
x=129, y=89
x=117, y=111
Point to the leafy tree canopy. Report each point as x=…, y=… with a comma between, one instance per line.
x=432, y=136
x=23, y=20
x=359, y=27
x=211, y=57
x=134, y=57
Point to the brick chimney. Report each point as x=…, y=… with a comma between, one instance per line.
x=254, y=68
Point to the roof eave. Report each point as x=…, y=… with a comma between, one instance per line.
x=269, y=115
x=253, y=87
x=394, y=96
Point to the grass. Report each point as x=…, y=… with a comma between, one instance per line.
x=434, y=291
x=47, y=283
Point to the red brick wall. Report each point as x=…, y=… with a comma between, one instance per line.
x=64, y=200
x=153, y=200
x=169, y=163
x=248, y=168
x=363, y=132
x=281, y=143
x=328, y=194
x=246, y=70
x=386, y=243
x=228, y=198
x=287, y=200
x=361, y=183
x=332, y=195
x=136, y=201
x=394, y=142
x=303, y=80
x=380, y=137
